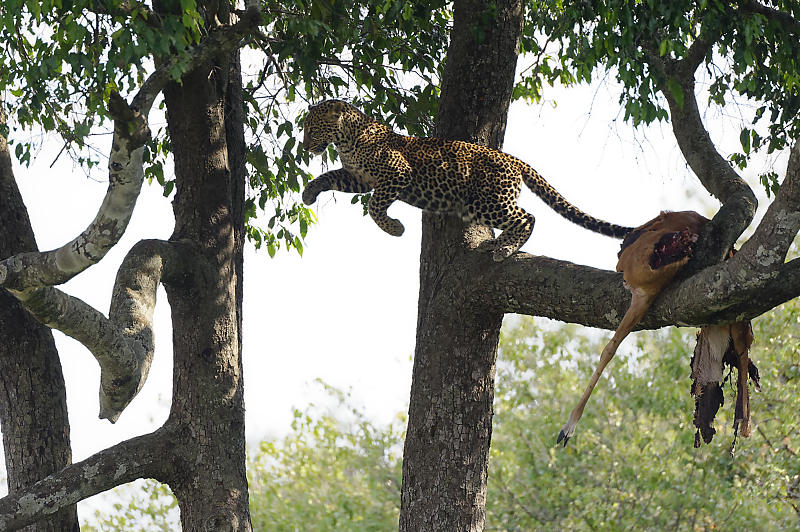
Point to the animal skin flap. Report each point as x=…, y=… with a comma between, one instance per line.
x=718, y=346
x=712, y=342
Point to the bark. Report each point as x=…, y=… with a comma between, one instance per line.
x=445, y=460
x=208, y=406
x=33, y=405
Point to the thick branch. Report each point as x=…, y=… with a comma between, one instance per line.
x=755, y=280
x=767, y=248
x=727, y=292
x=694, y=57
x=127, y=461
x=714, y=172
x=786, y=20
x=122, y=343
x=33, y=270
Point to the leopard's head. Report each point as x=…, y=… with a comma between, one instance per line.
x=323, y=125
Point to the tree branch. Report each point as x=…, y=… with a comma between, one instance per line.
x=127, y=461
x=786, y=20
x=714, y=172
x=695, y=55
x=724, y=293
x=123, y=343
x=29, y=271
x=542, y=286
x=128, y=9
x=727, y=293
x=767, y=248
x=755, y=280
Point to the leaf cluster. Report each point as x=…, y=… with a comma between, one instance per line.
x=62, y=59
x=748, y=52
x=632, y=465
x=331, y=473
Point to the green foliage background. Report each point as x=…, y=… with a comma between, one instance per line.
x=631, y=465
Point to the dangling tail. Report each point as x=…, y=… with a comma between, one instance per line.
x=558, y=203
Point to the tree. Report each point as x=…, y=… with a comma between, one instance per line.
x=234, y=152
x=449, y=421
x=69, y=77
x=654, y=51
x=201, y=275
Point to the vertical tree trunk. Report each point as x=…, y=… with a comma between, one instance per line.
x=450, y=412
x=208, y=408
x=33, y=403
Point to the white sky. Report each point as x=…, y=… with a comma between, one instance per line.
x=310, y=318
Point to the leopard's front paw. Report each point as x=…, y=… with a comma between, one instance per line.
x=394, y=227
x=501, y=254
x=310, y=193
x=487, y=245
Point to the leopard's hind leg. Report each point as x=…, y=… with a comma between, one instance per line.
x=517, y=225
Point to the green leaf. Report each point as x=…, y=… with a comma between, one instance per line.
x=744, y=138
x=676, y=91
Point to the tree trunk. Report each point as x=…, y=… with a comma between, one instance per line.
x=450, y=412
x=33, y=403
x=208, y=410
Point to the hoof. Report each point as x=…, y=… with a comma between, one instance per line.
x=566, y=433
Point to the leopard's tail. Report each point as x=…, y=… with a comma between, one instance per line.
x=558, y=203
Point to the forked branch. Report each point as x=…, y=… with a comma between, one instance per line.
x=714, y=172
x=123, y=342
x=29, y=271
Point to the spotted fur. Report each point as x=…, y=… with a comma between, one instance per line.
x=474, y=182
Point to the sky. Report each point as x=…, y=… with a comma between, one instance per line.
x=315, y=317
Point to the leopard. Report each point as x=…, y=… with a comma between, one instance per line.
x=476, y=183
